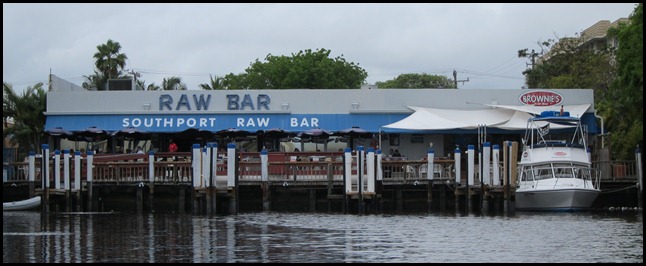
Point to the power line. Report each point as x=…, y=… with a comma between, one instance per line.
x=455, y=79
x=174, y=73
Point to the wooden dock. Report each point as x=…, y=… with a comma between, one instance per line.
x=250, y=182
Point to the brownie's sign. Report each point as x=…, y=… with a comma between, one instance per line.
x=541, y=98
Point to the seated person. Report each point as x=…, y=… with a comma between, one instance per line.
x=396, y=153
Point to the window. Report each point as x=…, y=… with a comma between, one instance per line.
x=417, y=138
x=394, y=139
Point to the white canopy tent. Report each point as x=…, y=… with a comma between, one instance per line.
x=507, y=117
x=574, y=110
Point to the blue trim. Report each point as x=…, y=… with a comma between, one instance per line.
x=173, y=123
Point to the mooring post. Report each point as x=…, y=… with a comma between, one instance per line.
x=77, y=180
x=32, y=174
x=66, y=179
x=90, y=178
x=232, y=177
x=360, y=168
x=430, y=156
x=458, y=173
x=508, y=179
x=380, y=181
x=495, y=158
x=264, y=177
x=57, y=169
x=151, y=180
x=211, y=153
x=470, y=173
x=347, y=179
x=44, y=170
x=196, y=163
x=640, y=177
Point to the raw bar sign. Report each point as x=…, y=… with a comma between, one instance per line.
x=541, y=98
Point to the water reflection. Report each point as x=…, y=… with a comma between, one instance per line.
x=310, y=237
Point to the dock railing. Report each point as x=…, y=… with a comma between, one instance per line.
x=175, y=168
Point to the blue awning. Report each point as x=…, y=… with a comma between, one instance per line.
x=171, y=123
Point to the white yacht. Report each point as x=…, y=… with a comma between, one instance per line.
x=555, y=172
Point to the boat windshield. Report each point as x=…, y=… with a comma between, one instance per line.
x=556, y=170
x=555, y=132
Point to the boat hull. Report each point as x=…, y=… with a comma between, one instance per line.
x=556, y=200
x=22, y=205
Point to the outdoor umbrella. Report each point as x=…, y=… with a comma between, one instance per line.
x=58, y=133
x=275, y=135
x=315, y=135
x=91, y=134
x=196, y=134
x=353, y=133
x=232, y=133
x=192, y=133
x=132, y=134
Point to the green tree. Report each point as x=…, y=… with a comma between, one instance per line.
x=622, y=105
x=173, y=83
x=153, y=87
x=615, y=75
x=216, y=83
x=416, y=81
x=96, y=81
x=235, y=82
x=305, y=70
x=141, y=84
x=569, y=64
x=26, y=113
x=109, y=62
x=150, y=87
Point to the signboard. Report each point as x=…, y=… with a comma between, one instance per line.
x=540, y=98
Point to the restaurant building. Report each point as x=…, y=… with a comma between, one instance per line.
x=410, y=120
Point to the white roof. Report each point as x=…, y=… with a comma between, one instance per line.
x=508, y=117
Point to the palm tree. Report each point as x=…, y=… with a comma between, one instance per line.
x=108, y=59
x=150, y=87
x=216, y=84
x=96, y=81
x=153, y=87
x=173, y=83
x=141, y=84
x=26, y=112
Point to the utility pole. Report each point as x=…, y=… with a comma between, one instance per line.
x=49, y=87
x=533, y=56
x=455, y=79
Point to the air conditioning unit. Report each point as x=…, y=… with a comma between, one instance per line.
x=120, y=85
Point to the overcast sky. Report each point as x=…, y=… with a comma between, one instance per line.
x=193, y=41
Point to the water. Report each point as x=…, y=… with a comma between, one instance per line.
x=315, y=237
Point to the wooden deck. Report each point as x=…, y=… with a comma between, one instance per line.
x=318, y=178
